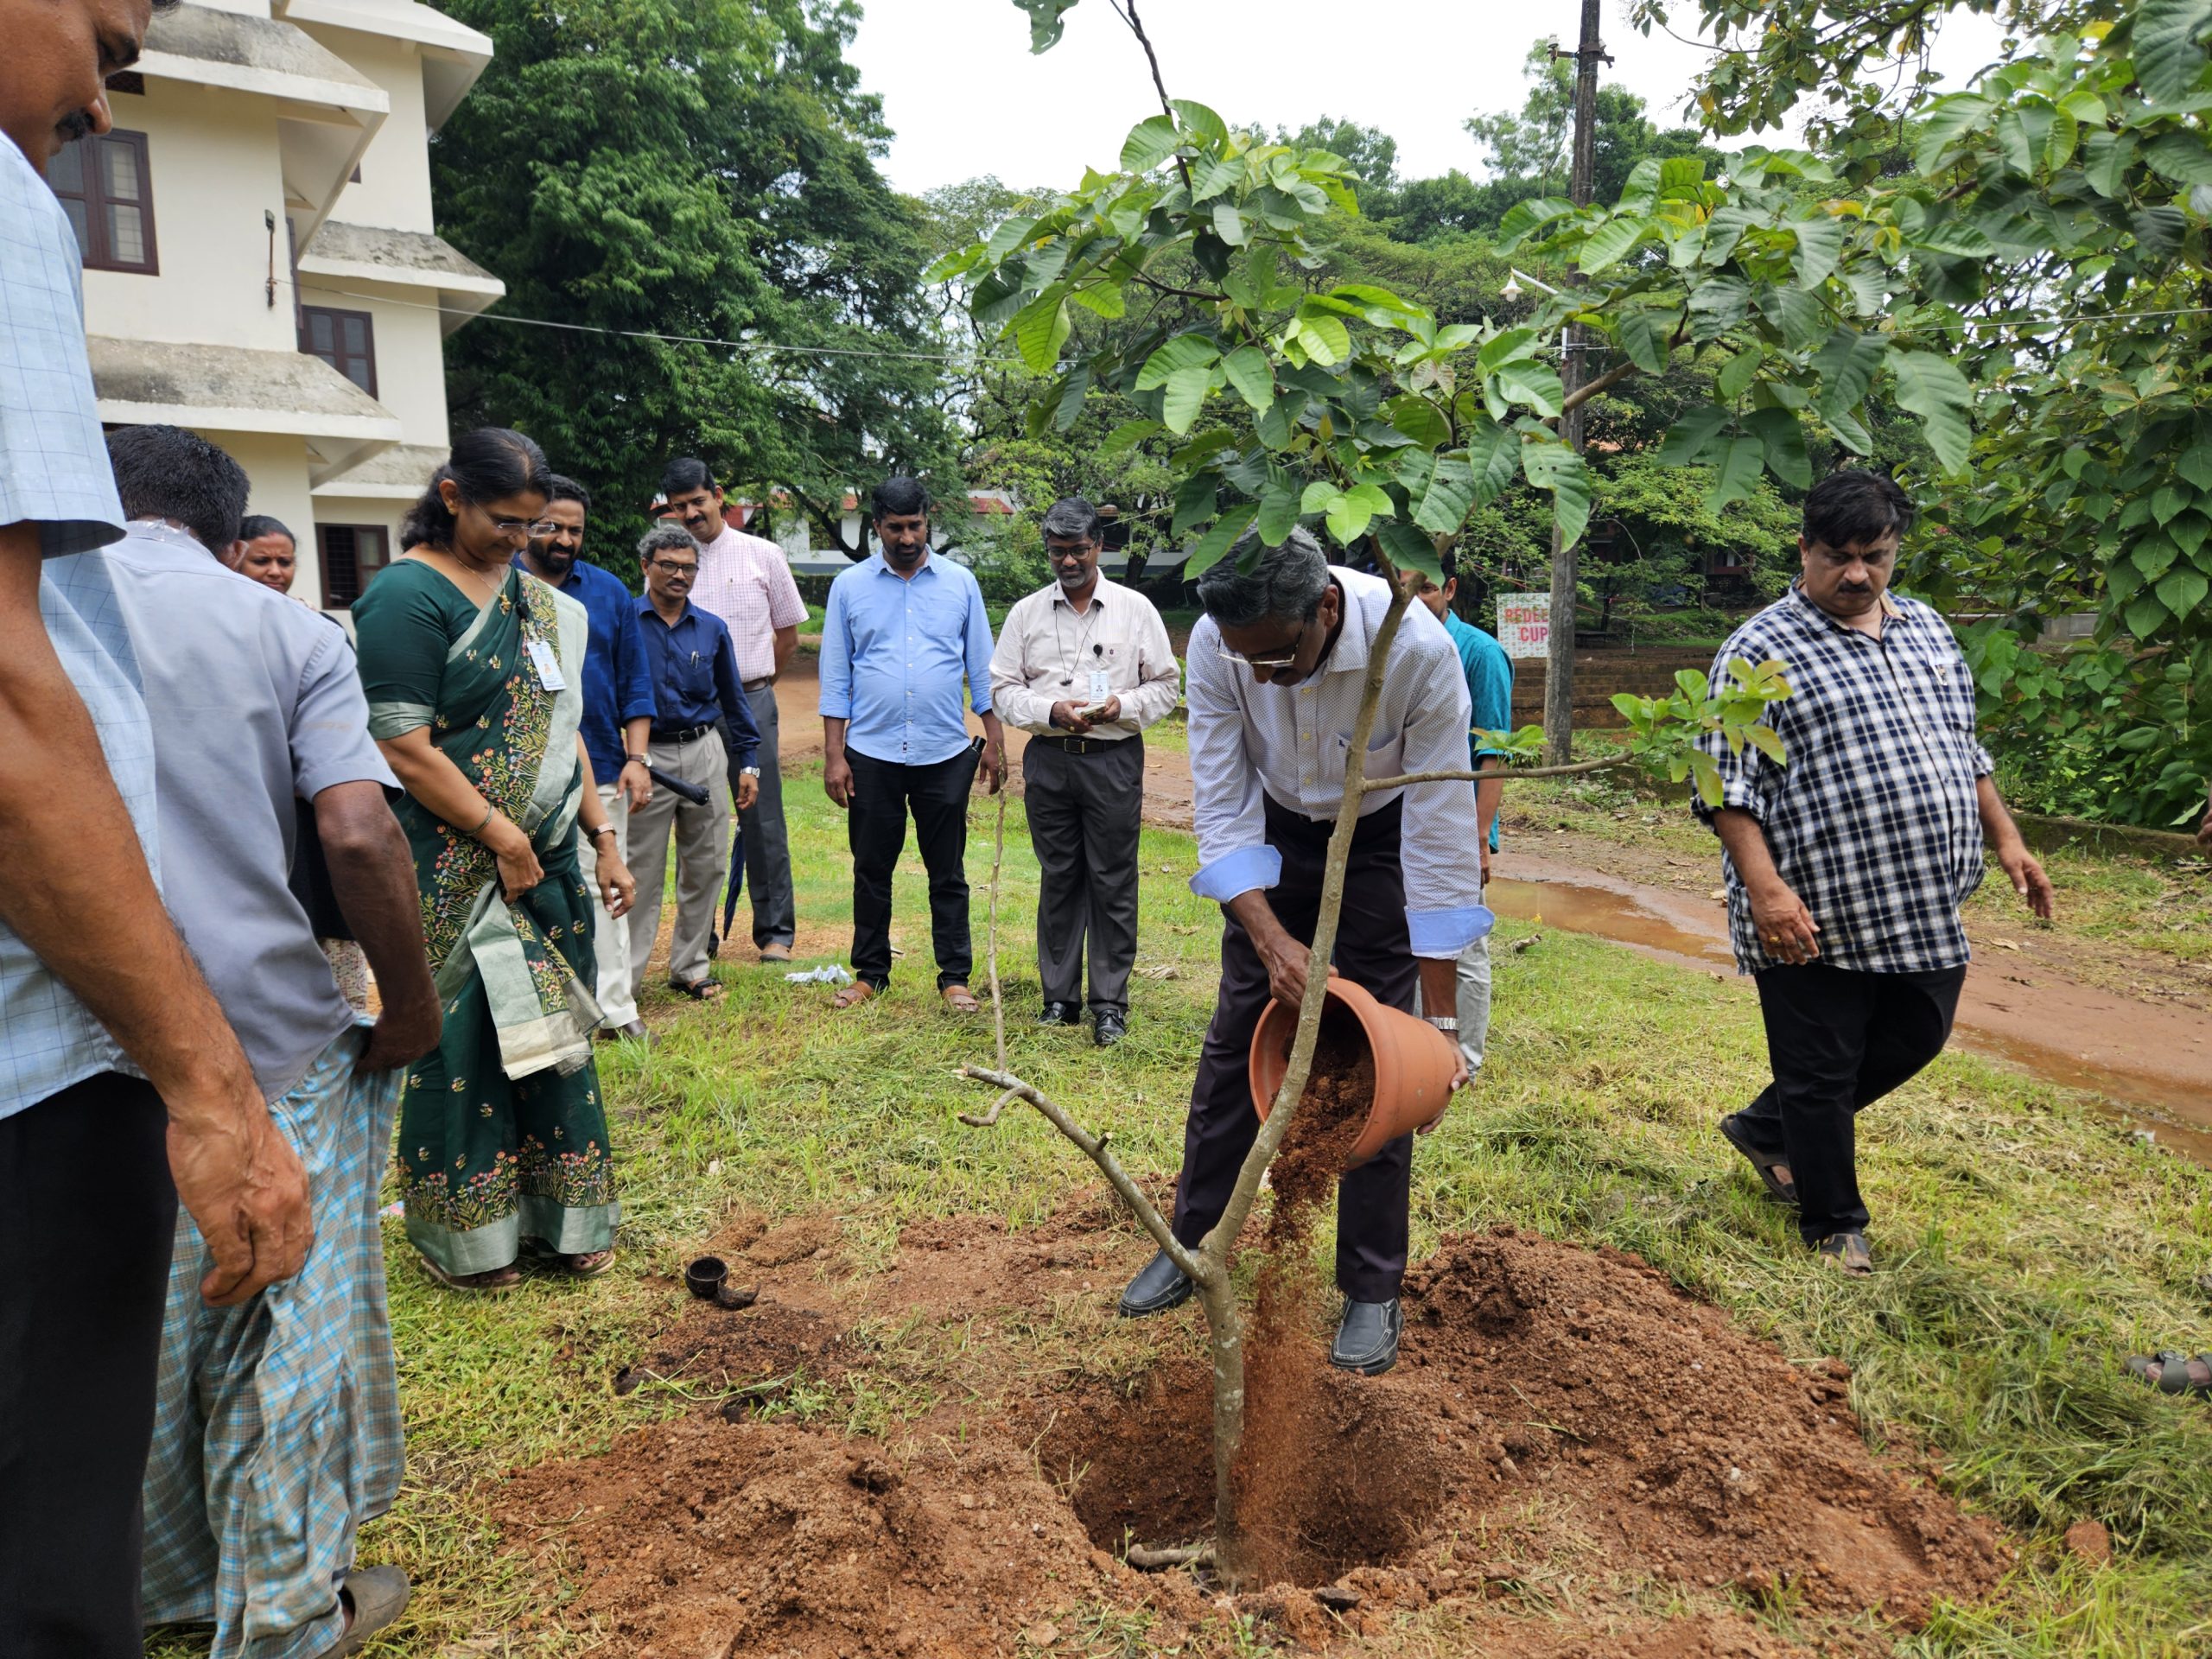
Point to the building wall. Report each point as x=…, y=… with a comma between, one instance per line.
x=409, y=350
x=344, y=509
x=395, y=185
x=212, y=164
x=277, y=466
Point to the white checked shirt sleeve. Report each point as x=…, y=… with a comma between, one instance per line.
x=1226, y=805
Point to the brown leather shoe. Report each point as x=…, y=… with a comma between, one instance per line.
x=958, y=999
x=775, y=953
x=853, y=995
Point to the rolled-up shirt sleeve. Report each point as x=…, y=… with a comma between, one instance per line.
x=1015, y=703
x=1438, y=849
x=1226, y=800
x=1746, y=779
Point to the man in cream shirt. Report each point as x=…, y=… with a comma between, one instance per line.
x=1084, y=666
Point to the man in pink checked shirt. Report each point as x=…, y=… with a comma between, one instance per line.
x=747, y=582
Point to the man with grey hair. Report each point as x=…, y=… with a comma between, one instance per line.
x=702, y=735
x=1277, y=666
x=1085, y=665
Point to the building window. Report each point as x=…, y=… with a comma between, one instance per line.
x=103, y=183
x=344, y=340
x=351, y=555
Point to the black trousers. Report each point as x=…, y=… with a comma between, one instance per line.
x=1837, y=1041
x=884, y=792
x=1086, y=813
x=87, y=1215
x=1373, y=951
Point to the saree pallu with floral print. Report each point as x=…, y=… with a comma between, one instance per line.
x=502, y=1135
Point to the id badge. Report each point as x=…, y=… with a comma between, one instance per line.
x=1101, y=686
x=547, y=665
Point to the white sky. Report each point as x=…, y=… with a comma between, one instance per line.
x=965, y=96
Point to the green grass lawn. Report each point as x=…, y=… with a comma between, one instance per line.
x=2026, y=1243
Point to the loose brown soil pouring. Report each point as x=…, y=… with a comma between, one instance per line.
x=1568, y=1408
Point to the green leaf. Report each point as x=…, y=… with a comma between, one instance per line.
x=1216, y=175
x=1187, y=395
x=1325, y=338
x=1125, y=437
x=1693, y=430
x=1536, y=385
x=1194, y=502
x=1316, y=496
x=1850, y=432
x=1608, y=242
x=1347, y=518
x=1214, y=545
x=1741, y=460
x=1072, y=390
x=1680, y=173
x=1846, y=364
x=2159, y=230
x=1278, y=514
x=1409, y=550
x=1010, y=235
x=1505, y=347
x=2106, y=157
x=1044, y=24
x=1104, y=298
x=1781, y=441
x=2181, y=156
x=1820, y=246
x=1803, y=319
x=1420, y=420
x=1643, y=334
x=1229, y=224
x=1736, y=373
x=1718, y=304
x=1932, y=388
x=1524, y=218
x=1183, y=351
x=1440, y=490
x=1493, y=458
x=2167, y=500
x=2197, y=467
x=1551, y=464
x=2143, y=616
x=1946, y=121
x=2169, y=62
x=1280, y=424
x=1250, y=372
x=1041, y=327
x=1196, y=118
x=1150, y=143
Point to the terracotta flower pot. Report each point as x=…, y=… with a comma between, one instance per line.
x=1414, y=1064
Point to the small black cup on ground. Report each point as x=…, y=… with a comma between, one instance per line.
x=704, y=1277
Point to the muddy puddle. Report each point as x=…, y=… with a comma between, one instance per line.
x=2153, y=1066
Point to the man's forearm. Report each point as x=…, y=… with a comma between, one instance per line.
x=93, y=915
x=833, y=737
x=1997, y=826
x=637, y=736
x=1489, y=794
x=786, y=643
x=1745, y=841
x=372, y=877
x=1250, y=910
x=1439, y=985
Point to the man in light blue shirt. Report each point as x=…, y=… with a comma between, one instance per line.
x=905, y=630
x=91, y=970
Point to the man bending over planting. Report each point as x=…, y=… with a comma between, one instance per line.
x=1277, y=666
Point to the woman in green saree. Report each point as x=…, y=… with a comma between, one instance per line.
x=473, y=670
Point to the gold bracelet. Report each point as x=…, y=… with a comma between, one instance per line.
x=483, y=823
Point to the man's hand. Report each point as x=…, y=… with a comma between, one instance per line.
x=1786, y=927
x=636, y=783
x=1287, y=963
x=242, y=1185
x=618, y=888
x=995, y=765
x=401, y=1036
x=2025, y=871
x=837, y=779
x=1066, y=715
x=1484, y=845
x=748, y=790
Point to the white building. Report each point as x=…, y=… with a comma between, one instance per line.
x=261, y=264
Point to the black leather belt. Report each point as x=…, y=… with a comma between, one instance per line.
x=681, y=734
x=1083, y=745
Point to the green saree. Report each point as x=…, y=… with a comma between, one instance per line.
x=502, y=1135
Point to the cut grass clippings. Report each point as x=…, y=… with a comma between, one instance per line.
x=2024, y=1243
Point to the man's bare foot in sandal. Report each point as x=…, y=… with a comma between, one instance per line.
x=588, y=1266
x=958, y=999
x=699, y=990
x=2170, y=1371
x=505, y=1278
x=853, y=995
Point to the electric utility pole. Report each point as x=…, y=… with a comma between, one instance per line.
x=1559, y=677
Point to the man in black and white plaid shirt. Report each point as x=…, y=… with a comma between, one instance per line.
x=1846, y=868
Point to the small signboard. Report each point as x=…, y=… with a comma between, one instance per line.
x=1524, y=624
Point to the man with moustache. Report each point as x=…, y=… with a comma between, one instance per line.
x=1846, y=865
x=905, y=632
x=618, y=722
x=747, y=582
x=97, y=1149
x=1086, y=665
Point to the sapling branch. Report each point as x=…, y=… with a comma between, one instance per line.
x=1154, y=1560
x=1498, y=774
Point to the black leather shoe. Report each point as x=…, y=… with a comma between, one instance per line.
x=1109, y=1027
x=1158, y=1288
x=635, y=1032
x=1367, y=1337
x=1061, y=1014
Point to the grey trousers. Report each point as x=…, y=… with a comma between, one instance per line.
x=702, y=856
x=767, y=842
x=610, y=939
x=1086, y=813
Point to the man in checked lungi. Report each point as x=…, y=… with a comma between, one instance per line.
x=276, y=1423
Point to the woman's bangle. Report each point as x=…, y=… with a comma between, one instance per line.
x=484, y=822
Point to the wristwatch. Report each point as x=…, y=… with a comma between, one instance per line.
x=638, y=760
x=1443, y=1022
x=748, y=772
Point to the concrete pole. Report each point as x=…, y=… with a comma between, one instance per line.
x=1559, y=677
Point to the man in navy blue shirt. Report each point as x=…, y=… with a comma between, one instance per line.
x=617, y=723
x=703, y=734
x=904, y=634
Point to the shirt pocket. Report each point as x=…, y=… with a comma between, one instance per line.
x=1385, y=758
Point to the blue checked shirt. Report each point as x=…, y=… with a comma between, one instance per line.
x=1873, y=823
x=55, y=473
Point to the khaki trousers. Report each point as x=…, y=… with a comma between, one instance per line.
x=702, y=836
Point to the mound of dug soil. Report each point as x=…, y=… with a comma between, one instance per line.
x=1560, y=1416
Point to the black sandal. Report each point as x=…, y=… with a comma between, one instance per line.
x=1849, y=1251
x=1781, y=1191
x=699, y=990
x=2168, y=1371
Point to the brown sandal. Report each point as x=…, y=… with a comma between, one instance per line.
x=491, y=1280
x=853, y=995
x=959, y=999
